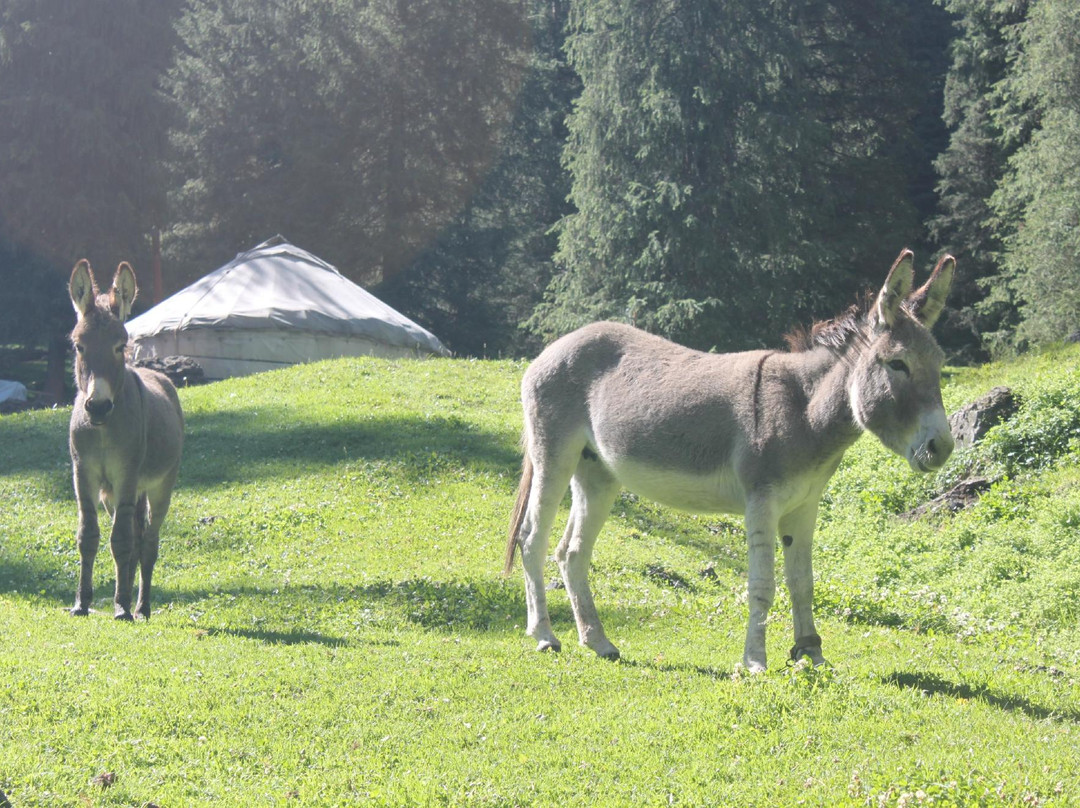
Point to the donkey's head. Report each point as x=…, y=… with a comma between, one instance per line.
x=895, y=385
x=99, y=337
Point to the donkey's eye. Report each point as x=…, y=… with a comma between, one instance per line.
x=79, y=348
x=900, y=366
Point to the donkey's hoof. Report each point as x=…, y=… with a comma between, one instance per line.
x=754, y=666
x=602, y=647
x=549, y=645
x=808, y=646
x=79, y=611
x=123, y=615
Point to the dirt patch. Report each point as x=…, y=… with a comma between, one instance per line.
x=962, y=495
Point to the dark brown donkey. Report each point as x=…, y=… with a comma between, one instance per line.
x=127, y=431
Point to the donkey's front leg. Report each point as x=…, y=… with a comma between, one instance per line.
x=122, y=543
x=761, y=528
x=88, y=538
x=797, y=534
x=152, y=511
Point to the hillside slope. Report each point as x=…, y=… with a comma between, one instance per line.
x=331, y=625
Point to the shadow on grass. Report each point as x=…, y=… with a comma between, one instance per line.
x=20, y=575
x=931, y=684
x=708, y=671
x=293, y=612
x=475, y=606
x=239, y=445
x=247, y=445
x=714, y=536
x=298, y=637
x=35, y=444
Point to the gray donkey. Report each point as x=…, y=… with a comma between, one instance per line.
x=758, y=433
x=126, y=434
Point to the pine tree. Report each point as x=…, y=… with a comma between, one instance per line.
x=356, y=129
x=82, y=138
x=1040, y=193
x=489, y=268
x=83, y=126
x=985, y=130
x=736, y=166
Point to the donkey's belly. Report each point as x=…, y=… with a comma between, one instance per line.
x=719, y=492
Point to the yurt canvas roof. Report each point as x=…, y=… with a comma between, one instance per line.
x=275, y=305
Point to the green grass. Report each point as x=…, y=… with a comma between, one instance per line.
x=331, y=626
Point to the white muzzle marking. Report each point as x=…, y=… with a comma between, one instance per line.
x=99, y=400
x=933, y=442
x=99, y=390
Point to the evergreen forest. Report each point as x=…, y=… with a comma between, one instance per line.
x=503, y=171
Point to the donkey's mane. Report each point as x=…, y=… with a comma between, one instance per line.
x=834, y=334
x=100, y=313
x=837, y=333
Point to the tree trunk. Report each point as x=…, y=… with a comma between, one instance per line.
x=55, y=386
x=395, y=188
x=155, y=268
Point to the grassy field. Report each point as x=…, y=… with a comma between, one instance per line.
x=331, y=626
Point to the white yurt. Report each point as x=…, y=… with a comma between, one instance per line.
x=273, y=306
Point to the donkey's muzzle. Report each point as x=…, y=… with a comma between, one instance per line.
x=932, y=455
x=940, y=449
x=98, y=410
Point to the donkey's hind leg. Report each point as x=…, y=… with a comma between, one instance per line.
x=153, y=509
x=549, y=483
x=594, y=489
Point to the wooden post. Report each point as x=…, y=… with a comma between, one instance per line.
x=54, y=386
x=155, y=268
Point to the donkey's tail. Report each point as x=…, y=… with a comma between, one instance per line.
x=519, y=513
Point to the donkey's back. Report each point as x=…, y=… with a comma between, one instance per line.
x=671, y=423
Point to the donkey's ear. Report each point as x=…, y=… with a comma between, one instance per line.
x=82, y=287
x=123, y=291
x=895, y=291
x=928, y=301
